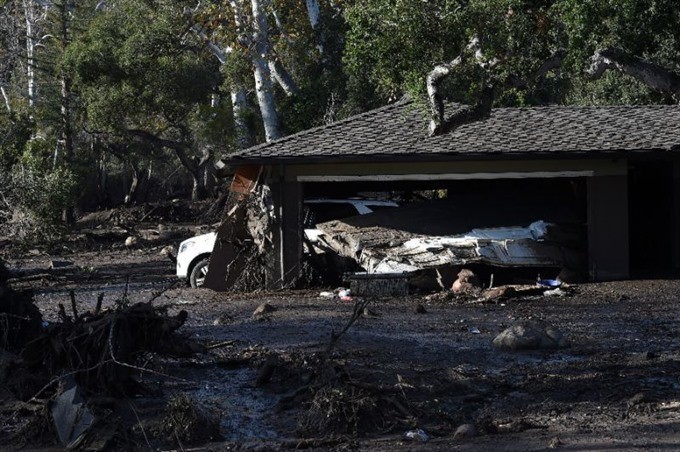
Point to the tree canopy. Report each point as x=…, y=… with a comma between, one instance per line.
x=152, y=86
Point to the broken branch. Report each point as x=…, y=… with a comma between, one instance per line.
x=654, y=76
x=440, y=72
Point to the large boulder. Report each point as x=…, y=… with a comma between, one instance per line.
x=530, y=335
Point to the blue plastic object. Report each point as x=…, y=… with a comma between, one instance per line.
x=549, y=283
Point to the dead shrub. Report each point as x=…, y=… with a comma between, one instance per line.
x=343, y=410
x=32, y=201
x=189, y=423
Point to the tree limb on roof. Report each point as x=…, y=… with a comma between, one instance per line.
x=654, y=76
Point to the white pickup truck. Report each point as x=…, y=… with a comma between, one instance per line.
x=194, y=253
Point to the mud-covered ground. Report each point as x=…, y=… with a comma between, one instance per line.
x=396, y=369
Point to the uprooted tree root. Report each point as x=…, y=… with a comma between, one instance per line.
x=101, y=349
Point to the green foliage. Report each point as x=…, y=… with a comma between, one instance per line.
x=32, y=202
x=15, y=131
x=393, y=44
x=648, y=29
x=135, y=72
x=137, y=65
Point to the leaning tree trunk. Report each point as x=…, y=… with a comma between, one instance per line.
x=30, y=17
x=244, y=136
x=439, y=123
x=239, y=103
x=131, y=196
x=263, y=81
x=66, y=124
x=314, y=14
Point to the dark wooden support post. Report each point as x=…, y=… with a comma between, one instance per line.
x=675, y=215
x=285, y=265
x=608, y=243
x=291, y=233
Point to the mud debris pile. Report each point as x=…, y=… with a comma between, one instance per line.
x=62, y=380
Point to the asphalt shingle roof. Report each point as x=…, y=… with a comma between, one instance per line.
x=400, y=130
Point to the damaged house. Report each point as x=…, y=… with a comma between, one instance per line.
x=608, y=175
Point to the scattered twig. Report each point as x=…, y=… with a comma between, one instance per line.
x=139, y=423
x=220, y=345
x=74, y=308
x=359, y=305
x=98, y=308
x=147, y=214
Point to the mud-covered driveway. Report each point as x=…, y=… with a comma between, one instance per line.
x=616, y=387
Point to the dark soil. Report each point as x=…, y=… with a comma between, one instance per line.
x=270, y=379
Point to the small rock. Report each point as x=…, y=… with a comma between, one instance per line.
x=640, y=397
x=131, y=241
x=420, y=309
x=465, y=431
x=264, y=308
x=555, y=443
x=369, y=313
x=530, y=335
x=224, y=319
x=167, y=251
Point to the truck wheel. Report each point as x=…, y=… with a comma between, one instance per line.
x=197, y=276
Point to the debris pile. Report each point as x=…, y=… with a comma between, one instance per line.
x=102, y=348
x=57, y=377
x=386, y=249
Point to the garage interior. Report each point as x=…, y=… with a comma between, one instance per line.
x=589, y=195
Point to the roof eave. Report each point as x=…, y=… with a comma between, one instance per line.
x=442, y=157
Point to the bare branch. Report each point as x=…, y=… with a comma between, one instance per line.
x=283, y=77
x=468, y=114
x=439, y=74
x=179, y=148
x=654, y=76
x=439, y=124
x=6, y=98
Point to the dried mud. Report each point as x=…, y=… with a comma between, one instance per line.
x=615, y=387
